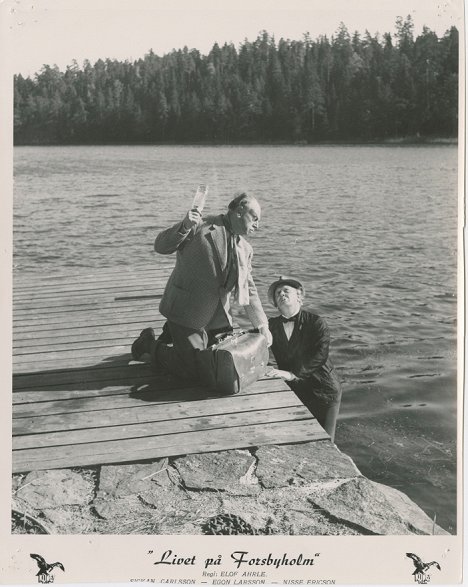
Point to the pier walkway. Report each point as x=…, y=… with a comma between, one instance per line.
x=79, y=399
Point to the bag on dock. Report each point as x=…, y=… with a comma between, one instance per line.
x=234, y=363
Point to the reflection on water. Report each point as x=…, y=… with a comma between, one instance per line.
x=370, y=230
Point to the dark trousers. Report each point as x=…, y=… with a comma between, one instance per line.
x=326, y=415
x=180, y=359
x=325, y=411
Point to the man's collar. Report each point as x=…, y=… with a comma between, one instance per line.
x=290, y=319
x=227, y=223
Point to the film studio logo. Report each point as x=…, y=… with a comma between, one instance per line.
x=420, y=574
x=44, y=575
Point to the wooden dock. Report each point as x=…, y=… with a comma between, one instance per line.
x=79, y=399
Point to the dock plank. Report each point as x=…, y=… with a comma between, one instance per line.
x=102, y=374
x=114, y=323
x=79, y=342
x=125, y=450
x=141, y=382
x=80, y=318
x=161, y=427
x=132, y=287
x=147, y=394
x=110, y=274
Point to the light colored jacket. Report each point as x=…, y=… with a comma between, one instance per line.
x=195, y=287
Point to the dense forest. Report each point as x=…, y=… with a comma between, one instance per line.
x=346, y=88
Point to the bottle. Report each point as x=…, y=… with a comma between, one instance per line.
x=200, y=197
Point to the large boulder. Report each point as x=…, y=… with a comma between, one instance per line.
x=230, y=471
x=300, y=464
x=55, y=488
x=118, y=509
x=124, y=480
x=372, y=508
x=124, y=487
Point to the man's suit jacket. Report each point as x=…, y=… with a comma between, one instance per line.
x=196, y=285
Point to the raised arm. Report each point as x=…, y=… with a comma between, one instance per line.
x=169, y=240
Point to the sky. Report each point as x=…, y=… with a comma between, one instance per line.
x=55, y=32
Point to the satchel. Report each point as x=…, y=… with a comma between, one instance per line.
x=234, y=363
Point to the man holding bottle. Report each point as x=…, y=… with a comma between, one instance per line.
x=213, y=263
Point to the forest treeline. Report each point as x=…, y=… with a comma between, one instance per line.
x=349, y=87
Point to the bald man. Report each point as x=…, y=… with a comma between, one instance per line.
x=213, y=264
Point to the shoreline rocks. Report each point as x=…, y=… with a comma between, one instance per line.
x=294, y=489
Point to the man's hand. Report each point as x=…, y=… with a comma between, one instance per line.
x=286, y=375
x=192, y=218
x=266, y=333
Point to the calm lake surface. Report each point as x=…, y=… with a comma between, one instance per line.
x=370, y=230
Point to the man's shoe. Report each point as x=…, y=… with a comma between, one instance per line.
x=142, y=344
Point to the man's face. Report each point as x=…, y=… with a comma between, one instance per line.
x=286, y=295
x=250, y=218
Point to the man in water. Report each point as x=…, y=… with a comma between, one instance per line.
x=300, y=346
x=213, y=262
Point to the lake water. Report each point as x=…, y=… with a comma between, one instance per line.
x=370, y=230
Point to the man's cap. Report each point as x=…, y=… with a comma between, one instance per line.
x=283, y=280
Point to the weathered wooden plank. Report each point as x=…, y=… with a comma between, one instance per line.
x=91, y=300
x=33, y=319
x=107, y=301
x=160, y=427
x=148, y=411
x=136, y=283
x=89, y=389
x=101, y=373
x=39, y=336
x=77, y=347
x=150, y=393
x=134, y=287
x=170, y=445
x=76, y=343
x=116, y=323
x=76, y=315
x=106, y=276
x=69, y=298
x=148, y=383
x=95, y=305
x=96, y=362
x=118, y=294
x=87, y=276
x=73, y=357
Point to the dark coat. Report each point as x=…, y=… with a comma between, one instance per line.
x=306, y=355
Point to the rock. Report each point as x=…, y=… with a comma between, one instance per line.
x=16, y=482
x=303, y=519
x=414, y=516
x=135, y=487
x=299, y=464
x=230, y=471
x=249, y=508
x=162, y=499
x=123, y=480
x=55, y=488
x=111, y=509
x=69, y=520
x=372, y=508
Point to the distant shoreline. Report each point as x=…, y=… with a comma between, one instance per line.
x=402, y=141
